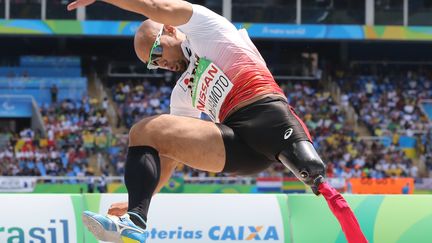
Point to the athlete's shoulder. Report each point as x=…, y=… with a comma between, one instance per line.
x=204, y=12
x=203, y=21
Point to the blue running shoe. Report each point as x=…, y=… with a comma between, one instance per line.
x=113, y=229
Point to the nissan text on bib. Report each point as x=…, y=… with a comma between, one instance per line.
x=211, y=87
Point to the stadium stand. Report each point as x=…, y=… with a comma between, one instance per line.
x=78, y=127
x=388, y=103
x=139, y=99
x=41, y=77
x=74, y=131
x=74, y=126
x=336, y=140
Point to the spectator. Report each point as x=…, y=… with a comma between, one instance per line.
x=54, y=93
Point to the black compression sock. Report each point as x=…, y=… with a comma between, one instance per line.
x=142, y=173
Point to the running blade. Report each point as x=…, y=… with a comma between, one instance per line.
x=342, y=211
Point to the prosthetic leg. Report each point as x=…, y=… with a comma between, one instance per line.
x=302, y=159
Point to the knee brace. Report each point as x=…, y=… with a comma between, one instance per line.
x=302, y=159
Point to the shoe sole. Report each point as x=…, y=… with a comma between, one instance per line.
x=98, y=230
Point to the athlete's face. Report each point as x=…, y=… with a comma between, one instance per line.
x=171, y=57
x=163, y=50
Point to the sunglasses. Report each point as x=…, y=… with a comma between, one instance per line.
x=155, y=52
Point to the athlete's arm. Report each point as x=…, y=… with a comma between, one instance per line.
x=169, y=12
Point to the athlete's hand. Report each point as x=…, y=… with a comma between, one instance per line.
x=79, y=3
x=118, y=209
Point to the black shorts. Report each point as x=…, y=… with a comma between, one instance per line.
x=255, y=134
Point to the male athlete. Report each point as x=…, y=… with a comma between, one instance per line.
x=225, y=77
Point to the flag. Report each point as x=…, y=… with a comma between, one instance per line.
x=293, y=185
x=269, y=185
x=174, y=185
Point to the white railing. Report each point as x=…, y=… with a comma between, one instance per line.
x=64, y=178
x=110, y=179
x=221, y=180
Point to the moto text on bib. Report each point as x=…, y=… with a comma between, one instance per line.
x=211, y=87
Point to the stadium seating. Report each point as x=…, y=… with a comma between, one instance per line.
x=140, y=99
x=74, y=130
x=52, y=61
x=39, y=72
x=40, y=88
x=388, y=104
x=37, y=75
x=78, y=126
x=337, y=143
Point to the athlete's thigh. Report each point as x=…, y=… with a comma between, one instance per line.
x=196, y=143
x=241, y=159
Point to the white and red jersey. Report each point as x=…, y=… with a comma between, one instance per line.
x=213, y=37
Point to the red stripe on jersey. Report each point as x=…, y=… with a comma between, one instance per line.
x=249, y=83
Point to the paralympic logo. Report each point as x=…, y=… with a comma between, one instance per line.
x=219, y=233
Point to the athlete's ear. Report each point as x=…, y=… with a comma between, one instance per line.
x=170, y=30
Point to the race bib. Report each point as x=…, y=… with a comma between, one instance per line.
x=210, y=88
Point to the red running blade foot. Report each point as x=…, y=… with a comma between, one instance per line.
x=342, y=211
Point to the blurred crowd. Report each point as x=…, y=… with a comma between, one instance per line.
x=78, y=129
x=335, y=139
x=74, y=130
x=389, y=103
x=346, y=155
x=350, y=157
x=139, y=99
